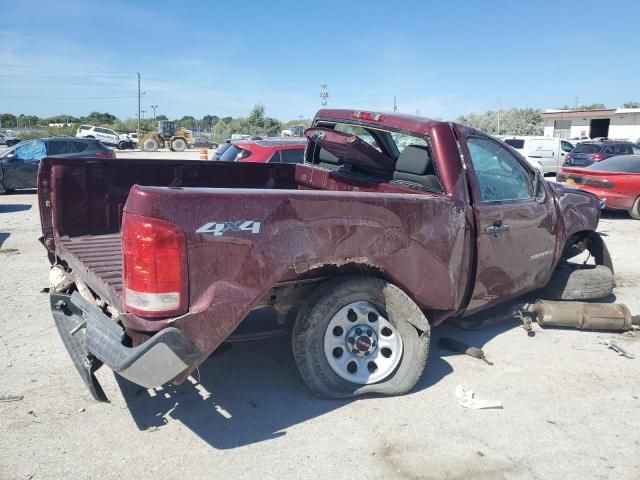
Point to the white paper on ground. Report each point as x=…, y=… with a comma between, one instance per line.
x=467, y=398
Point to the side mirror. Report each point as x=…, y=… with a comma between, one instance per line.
x=11, y=157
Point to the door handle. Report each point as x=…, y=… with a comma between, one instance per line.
x=496, y=228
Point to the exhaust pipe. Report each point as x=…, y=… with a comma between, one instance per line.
x=585, y=316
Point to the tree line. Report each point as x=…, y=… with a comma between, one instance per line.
x=221, y=128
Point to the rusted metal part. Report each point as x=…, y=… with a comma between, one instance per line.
x=585, y=316
x=454, y=345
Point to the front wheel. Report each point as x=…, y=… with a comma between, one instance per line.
x=178, y=145
x=150, y=145
x=360, y=335
x=123, y=146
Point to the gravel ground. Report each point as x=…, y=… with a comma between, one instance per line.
x=570, y=404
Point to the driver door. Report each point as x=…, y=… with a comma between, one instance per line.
x=516, y=229
x=20, y=167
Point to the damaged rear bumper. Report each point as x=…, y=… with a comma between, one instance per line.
x=93, y=339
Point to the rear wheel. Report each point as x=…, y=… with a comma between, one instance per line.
x=356, y=335
x=178, y=145
x=584, y=273
x=123, y=146
x=635, y=210
x=150, y=145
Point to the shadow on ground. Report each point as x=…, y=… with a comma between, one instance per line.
x=14, y=207
x=252, y=392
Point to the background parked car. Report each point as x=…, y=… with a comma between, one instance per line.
x=587, y=153
x=133, y=136
x=105, y=135
x=266, y=150
x=19, y=165
x=220, y=150
x=203, y=142
x=8, y=141
x=615, y=180
x=549, y=152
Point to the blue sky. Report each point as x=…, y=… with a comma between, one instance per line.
x=442, y=58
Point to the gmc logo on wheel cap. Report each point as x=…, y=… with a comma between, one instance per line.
x=220, y=228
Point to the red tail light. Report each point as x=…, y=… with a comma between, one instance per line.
x=598, y=182
x=370, y=116
x=155, y=267
x=105, y=154
x=596, y=157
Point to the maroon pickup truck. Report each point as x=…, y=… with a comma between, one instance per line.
x=392, y=225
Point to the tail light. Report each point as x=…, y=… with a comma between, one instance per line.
x=105, y=154
x=370, y=116
x=596, y=157
x=155, y=267
x=598, y=183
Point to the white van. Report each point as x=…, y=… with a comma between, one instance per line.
x=550, y=152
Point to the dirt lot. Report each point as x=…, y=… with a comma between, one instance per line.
x=571, y=406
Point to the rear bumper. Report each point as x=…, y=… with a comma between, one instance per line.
x=93, y=339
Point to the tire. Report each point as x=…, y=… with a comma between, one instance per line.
x=178, y=145
x=313, y=331
x=123, y=145
x=579, y=282
x=150, y=145
x=2, y=189
x=635, y=210
x=11, y=143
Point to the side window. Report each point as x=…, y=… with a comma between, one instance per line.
x=275, y=158
x=500, y=175
x=566, y=146
x=358, y=132
x=77, y=147
x=635, y=149
x=58, y=147
x=608, y=151
x=293, y=155
x=34, y=150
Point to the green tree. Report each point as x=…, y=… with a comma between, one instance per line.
x=631, y=105
x=7, y=120
x=514, y=121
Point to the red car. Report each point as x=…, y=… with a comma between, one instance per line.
x=266, y=150
x=615, y=180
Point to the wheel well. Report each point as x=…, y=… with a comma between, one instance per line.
x=593, y=242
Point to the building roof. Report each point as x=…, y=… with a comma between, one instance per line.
x=604, y=112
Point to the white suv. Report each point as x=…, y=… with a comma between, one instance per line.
x=105, y=135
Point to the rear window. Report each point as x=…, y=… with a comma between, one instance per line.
x=622, y=163
x=587, y=148
x=294, y=155
x=234, y=153
x=222, y=148
x=515, y=143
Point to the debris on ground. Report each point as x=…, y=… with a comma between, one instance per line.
x=11, y=398
x=454, y=345
x=468, y=399
x=585, y=316
x=617, y=348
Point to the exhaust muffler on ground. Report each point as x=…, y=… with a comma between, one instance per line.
x=585, y=316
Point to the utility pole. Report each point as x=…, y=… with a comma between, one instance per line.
x=575, y=105
x=395, y=104
x=324, y=94
x=143, y=112
x=154, y=112
x=499, y=106
x=139, y=97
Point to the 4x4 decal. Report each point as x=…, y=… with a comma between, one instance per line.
x=219, y=228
